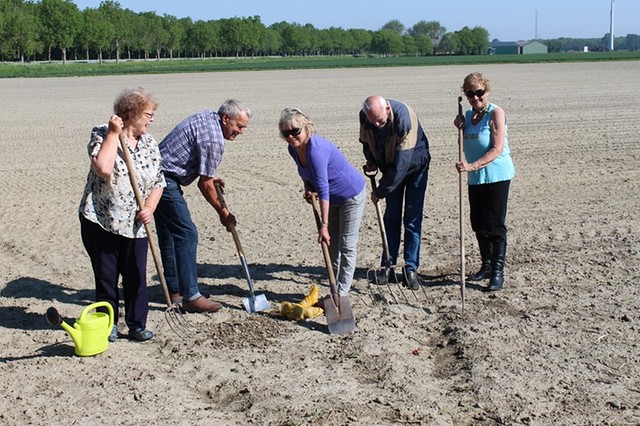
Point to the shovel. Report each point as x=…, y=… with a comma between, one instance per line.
x=337, y=309
x=254, y=303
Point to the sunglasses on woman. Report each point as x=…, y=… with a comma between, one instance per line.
x=479, y=93
x=291, y=132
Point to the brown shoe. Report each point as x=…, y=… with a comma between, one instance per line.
x=201, y=305
x=177, y=299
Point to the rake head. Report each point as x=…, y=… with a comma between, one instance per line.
x=386, y=285
x=178, y=323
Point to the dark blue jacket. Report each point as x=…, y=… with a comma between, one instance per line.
x=399, y=149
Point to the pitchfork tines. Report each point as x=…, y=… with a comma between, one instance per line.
x=386, y=286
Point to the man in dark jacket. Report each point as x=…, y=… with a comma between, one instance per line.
x=394, y=142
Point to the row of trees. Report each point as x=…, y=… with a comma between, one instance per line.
x=564, y=44
x=58, y=30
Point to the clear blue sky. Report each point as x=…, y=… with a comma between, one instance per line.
x=506, y=20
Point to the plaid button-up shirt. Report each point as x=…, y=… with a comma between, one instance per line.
x=193, y=148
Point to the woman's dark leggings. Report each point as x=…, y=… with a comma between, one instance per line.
x=488, y=209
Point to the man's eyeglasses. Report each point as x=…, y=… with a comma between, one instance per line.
x=479, y=93
x=291, y=132
x=149, y=115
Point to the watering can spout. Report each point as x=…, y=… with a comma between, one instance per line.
x=75, y=333
x=90, y=331
x=54, y=318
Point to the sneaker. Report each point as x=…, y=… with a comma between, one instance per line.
x=140, y=334
x=412, y=279
x=114, y=334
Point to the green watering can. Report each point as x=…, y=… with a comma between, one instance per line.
x=91, y=330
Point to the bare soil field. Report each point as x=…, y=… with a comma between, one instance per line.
x=558, y=346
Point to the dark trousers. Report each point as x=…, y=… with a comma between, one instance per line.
x=488, y=210
x=111, y=256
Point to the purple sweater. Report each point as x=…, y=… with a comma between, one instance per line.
x=328, y=172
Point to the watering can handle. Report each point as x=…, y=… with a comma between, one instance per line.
x=99, y=305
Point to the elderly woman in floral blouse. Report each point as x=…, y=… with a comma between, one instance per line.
x=112, y=226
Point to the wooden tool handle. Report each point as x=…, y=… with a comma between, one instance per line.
x=383, y=231
x=152, y=246
x=461, y=208
x=234, y=233
x=325, y=251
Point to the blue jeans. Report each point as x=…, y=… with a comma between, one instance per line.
x=178, y=241
x=344, y=229
x=411, y=193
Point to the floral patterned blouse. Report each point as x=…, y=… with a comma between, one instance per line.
x=111, y=203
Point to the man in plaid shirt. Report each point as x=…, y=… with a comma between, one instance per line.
x=193, y=149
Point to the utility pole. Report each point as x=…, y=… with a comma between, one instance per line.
x=611, y=28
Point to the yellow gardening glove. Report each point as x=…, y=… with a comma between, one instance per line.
x=313, y=311
x=293, y=311
x=312, y=298
x=286, y=308
x=299, y=312
x=304, y=309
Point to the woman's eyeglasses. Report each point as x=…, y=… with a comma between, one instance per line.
x=149, y=115
x=291, y=132
x=479, y=93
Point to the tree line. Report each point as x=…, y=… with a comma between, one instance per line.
x=564, y=44
x=58, y=30
x=49, y=30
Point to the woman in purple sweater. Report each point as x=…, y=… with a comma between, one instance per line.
x=340, y=188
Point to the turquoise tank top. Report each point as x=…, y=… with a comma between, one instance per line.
x=477, y=141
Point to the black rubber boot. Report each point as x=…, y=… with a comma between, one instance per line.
x=485, y=255
x=497, y=266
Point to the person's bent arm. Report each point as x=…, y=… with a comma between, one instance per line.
x=207, y=187
x=104, y=162
x=146, y=213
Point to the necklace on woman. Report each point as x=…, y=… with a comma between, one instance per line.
x=479, y=113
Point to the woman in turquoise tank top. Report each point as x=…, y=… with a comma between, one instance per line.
x=489, y=171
